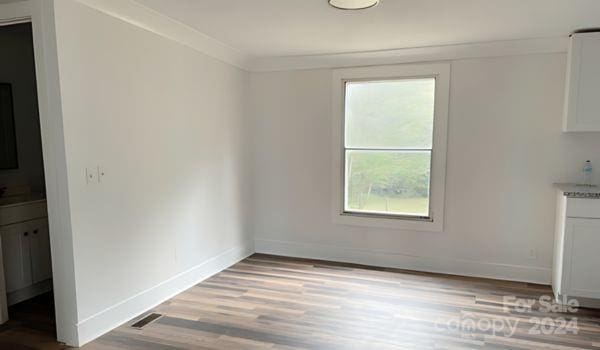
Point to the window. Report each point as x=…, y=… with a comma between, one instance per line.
x=391, y=126
x=387, y=146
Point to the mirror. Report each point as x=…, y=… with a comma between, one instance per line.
x=8, y=140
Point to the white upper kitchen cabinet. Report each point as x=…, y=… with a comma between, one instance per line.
x=582, y=100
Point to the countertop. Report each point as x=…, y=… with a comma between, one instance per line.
x=21, y=199
x=579, y=191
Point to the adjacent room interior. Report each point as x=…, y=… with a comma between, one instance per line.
x=26, y=277
x=302, y=174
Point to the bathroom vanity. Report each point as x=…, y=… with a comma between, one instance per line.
x=25, y=247
x=576, y=268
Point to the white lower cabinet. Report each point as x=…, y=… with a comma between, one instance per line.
x=577, y=245
x=16, y=256
x=26, y=259
x=39, y=245
x=582, y=241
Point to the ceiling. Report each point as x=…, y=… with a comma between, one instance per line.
x=303, y=27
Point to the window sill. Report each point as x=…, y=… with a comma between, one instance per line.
x=390, y=222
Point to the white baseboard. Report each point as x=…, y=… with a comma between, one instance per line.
x=112, y=317
x=403, y=261
x=29, y=292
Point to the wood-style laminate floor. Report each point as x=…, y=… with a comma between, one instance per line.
x=267, y=302
x=31, y=325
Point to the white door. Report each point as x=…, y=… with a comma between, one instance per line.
x=582, y=240
x=16, y=256
x=39, y=243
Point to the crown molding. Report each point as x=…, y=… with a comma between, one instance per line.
x=15, y=13
x=411, y=55
x=141, y=16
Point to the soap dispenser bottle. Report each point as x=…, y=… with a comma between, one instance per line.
x=587, y=173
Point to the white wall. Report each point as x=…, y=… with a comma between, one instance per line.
x=505, y=149
x=166, y=124
x=176, y=132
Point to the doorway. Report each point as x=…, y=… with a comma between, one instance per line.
x=26, y=266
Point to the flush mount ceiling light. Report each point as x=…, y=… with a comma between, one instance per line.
x=353, y=4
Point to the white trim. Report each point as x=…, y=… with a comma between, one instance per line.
x=411, y=55
x=441, y=72
x=8, y=21
x=41, y=13
x=15, y=12
x=104, y=321
x=141, y=16
x=459, y=267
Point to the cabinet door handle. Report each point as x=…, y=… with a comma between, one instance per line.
x=35, y=232
x=26, y=234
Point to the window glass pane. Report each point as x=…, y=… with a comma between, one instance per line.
x=388, y=182
x=390, y=114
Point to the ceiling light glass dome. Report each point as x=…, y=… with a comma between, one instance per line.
x=353, y=4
